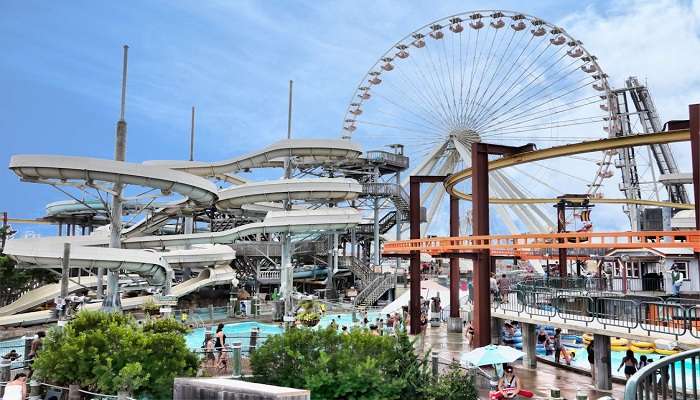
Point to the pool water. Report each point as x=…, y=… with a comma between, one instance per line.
x=240, y=332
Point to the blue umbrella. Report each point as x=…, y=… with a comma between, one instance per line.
x=492, y=354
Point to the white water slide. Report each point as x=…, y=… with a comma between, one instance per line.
x=180, y=178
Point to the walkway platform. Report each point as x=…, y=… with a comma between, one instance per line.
x=453, y=345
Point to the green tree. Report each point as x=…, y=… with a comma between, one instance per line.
x=109, y=352
x=351, y=366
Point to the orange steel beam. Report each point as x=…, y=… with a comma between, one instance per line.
x=528, y=242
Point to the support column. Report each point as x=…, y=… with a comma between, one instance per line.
x=454, y=324
x=188, y=228
x=65, y=269
x=375, y=237
x=496, y=325
x=694, y=111
x=529, y=345
x=603, y=368
x=286, y=275
x=480, y=214
x=414, y=271
x=561, y=227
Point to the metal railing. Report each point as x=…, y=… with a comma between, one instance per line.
x=652, y=315
x=676, y=376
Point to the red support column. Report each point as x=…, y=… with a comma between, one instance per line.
x=561, y=227
x=480, y=214
x=694, y=110
x=455, y=322
x=414, y=272
x=694, y=117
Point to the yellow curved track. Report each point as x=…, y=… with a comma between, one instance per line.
x=568, y=150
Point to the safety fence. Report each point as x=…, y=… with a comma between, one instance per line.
x=676, y=377
x=42, y=390
x=653, y=315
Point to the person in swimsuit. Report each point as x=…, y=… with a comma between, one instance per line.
x=591, y=359
x=17, y=388
x=509, y=386
x=209, y=346
x=630, y=363
x=220, y=345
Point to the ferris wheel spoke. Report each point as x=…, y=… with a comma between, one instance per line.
x=546, y=91
x=405, y=108
x=473, y=103
x=533, y=115
x=528, y=84
x=499, y=64
x=439, y=77
x=391, y=116
x=542, y=127
x=506, y=76
x=426, y=114
x=432, y=88
x=517, y=79
x=582, y=83
x=583, y=120
x=426, y=92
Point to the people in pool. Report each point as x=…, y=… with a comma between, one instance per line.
x=630, y=363
x=509, y=386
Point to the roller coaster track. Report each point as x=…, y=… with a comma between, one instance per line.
x=568, y=150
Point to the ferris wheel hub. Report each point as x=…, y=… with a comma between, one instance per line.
x=466, y=136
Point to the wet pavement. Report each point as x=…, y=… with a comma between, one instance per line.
x=452, y=346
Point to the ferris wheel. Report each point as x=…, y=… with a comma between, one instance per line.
x=500, y=77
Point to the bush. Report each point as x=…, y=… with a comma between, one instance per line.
x=353, y=366
x=109, y=352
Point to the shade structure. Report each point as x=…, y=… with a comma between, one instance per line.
x=492, y=354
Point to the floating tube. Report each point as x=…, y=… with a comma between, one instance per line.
x=665, y=352
x=641, y=350
x=569, y=337
x=642, y=345
x=619, y=348
x=587, y=337
x=519, y=346
x=619, y=342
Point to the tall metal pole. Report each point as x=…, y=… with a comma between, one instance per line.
x=286, y=272
x=65, y=269
x=112, y=301
x=192, y=136
x=414, y=268
x=289, y=112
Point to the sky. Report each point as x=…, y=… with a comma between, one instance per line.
x=61, y=69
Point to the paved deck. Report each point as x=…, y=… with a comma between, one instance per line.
x=453, y=345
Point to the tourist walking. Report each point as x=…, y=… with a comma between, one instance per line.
x=503, y=286
x=677, y=281
x=493, y=286
x=630, y=363
x=208, y=345
x=35, y=348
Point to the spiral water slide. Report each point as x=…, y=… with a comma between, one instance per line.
x=187, y=179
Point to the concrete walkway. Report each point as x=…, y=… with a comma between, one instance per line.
x=451, y=346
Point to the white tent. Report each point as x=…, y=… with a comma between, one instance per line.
x=428, y=289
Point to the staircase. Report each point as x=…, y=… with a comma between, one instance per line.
x=392, y=191
x=375, y=290
x=358, y=268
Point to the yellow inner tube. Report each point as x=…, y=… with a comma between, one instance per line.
x=643, y=345
x=665, y=352
x=641, y=350
x=619, y=342
x=619, y=348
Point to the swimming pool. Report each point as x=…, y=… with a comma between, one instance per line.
x=240, y=331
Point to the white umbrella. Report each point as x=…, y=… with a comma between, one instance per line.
x=492, y=354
